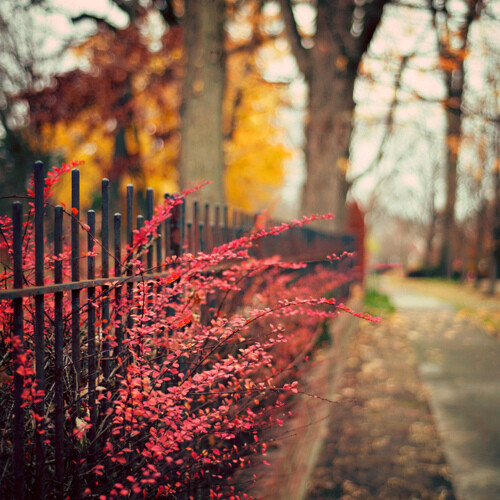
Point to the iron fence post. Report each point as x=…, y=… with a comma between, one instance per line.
x=18, y=429
x=39, y=331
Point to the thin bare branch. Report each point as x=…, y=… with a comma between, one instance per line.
x=300, y=53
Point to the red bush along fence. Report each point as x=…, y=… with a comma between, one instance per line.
x=82, y=367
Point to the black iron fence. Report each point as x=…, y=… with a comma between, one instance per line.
x=202, y=233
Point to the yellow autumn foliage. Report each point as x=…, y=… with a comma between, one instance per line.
x=256, y=152
x=75, y=141
x=95, y=146
x=255, y=148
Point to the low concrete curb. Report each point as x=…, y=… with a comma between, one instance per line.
x=293, y=462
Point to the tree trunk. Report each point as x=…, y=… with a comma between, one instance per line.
x=453, y=137
x=495, y=227
x=331, y=84
x=202, y=157
x=481, y=214
x=452, y=60
x=328, y=135
x=430, y=238
x=330, y=68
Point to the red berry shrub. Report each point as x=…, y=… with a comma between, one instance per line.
x=210, y=349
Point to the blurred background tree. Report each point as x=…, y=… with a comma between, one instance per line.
x=119, y=113
x=138, y=89
x=448, y=84
x=329, y=58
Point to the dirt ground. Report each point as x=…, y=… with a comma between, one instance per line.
x=382, y=442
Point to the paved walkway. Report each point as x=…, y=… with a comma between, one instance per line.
x=381, y=441
x=460, y=365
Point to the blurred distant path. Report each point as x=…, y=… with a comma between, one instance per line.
x=460, y=365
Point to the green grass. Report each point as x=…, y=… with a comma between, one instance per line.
x=377, y=304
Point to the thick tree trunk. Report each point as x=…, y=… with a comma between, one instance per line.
x=451, y=57
x=453, y=138
x=330, y=68
x=331, y=83
x=121, y=162
x=328, y=135
x=202, y=157
x=494, y=266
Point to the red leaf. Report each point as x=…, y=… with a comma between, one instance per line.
x=184, y=321
x=172, y=278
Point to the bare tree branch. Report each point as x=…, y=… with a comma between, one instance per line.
x=300, y=53
x=388, y=122
x=168, y=13
x=101, y=21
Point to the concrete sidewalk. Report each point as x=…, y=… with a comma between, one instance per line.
x=460, y=366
